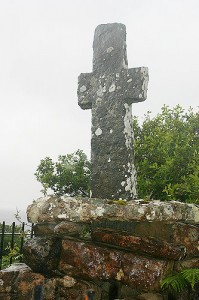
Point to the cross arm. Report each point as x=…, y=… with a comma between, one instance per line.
x=136, y=85
x=86, y=89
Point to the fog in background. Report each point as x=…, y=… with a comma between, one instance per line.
x=45, y=45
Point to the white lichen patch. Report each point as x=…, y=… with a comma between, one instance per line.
x=112, y=88
x=111, y=130
x=128, y=184
x=128, y=131
x=100, y=92
x=109, y=50
x=1, y=282
x=144, y=71
x=117, y=75
x=51, y=206
x=141, y=210
x=62, y=216
x=98, y=131
x=40, y=202
x=168, y=210
x=193, y=213
x=125, y=66
x=145, y=78
x=129, y=80
x=99, y=211
x=82, y=88
x=109, y=160
x=140, y=96
x=99, y=101
x=152, y=216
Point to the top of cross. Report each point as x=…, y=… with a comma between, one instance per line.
x=109, y=48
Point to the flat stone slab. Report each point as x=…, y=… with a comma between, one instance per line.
x=147, y=246
x=56, y=209
x=88, y=261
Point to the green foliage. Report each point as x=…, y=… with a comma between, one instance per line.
x=177, y=282
x=174, y=283
x=167, y=155
x=14, y=252
x=69, y=175
x=8, y=252
x=191, y=276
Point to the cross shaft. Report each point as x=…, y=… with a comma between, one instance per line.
x=109, y=92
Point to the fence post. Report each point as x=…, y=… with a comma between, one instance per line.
x=22, y=239
x=12, y=240
x=13, y=234
x=2, y=240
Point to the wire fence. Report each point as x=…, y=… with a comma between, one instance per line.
x=12, y=238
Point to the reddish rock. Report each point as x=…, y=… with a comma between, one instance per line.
x=187, y=235
x=42, y=254
x=143, y=245
x=18, y=282
x=87, y=261
x=177, y=234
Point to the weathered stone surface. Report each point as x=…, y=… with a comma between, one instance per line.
x=177, y=234
x=126, y=292
x=20, y=283
x=73, y=229
x=187, y=235
x=109, y=91
x=149, y=246
x=56, y=209
x=44, y=229
x=42, y=254
x=187, y=264
x=89, y=262
x=150, y=296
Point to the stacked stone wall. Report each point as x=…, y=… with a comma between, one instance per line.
x=117, y=249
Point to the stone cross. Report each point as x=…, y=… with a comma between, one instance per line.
x=110, y=91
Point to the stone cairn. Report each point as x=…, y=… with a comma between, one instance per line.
x=104, y=247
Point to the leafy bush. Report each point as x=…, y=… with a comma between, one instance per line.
x=167, y=155
x=69, y=175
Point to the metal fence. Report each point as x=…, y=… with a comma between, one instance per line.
x=16, y=237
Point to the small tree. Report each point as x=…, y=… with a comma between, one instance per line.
x=69, y=175
x=167, y=155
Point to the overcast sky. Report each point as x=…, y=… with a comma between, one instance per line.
x=46, y=44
